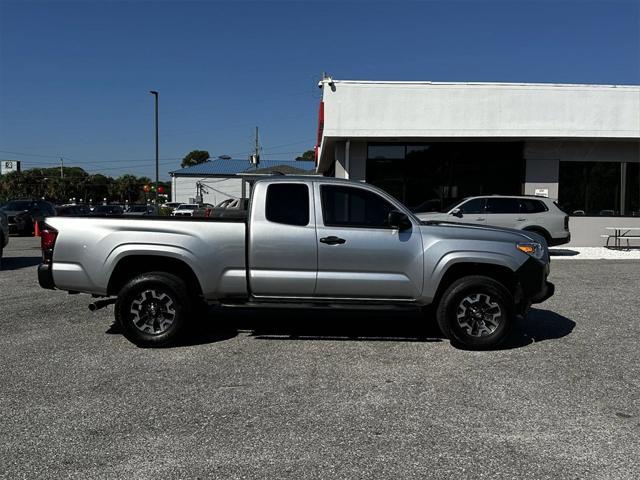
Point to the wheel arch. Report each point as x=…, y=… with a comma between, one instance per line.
x=131, y=266
x=540, y=231
x=502, y=274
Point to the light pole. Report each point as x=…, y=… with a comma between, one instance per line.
x=155, y=94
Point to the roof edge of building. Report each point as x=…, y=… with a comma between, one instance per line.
x=496, y=84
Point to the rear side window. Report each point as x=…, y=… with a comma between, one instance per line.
x=532, y=206
x=354, y=207
x=503, y=205
x=473, y=206
x=288, y=203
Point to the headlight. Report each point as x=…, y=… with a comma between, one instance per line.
x=531, y=248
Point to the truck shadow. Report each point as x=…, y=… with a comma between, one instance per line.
x=356, y=325
x=16, y=263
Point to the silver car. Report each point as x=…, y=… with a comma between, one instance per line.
x=534, y=214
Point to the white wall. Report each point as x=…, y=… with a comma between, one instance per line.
x=391, y=110
x=355, y=161
x=586, y=231
x=219, y=188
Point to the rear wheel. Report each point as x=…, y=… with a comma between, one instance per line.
x=152, y=309
x=476, y=312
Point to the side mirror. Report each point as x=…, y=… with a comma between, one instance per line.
x=399, y=220
x=456, y=212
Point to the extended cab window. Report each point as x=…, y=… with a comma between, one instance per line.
x=353, y=207
x=503, y=205
x=288, y=203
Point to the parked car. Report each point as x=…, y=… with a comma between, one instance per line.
x=140, y=210
x=171, y=205
x=106, y=210
x=185, y=210
x=303, y=240
x=23, y=213
x=4, y=233
x=534, y=214
x=73, y=210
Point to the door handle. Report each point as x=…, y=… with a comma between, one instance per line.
x=332, y=240
x=521, y=219
x=480, y=219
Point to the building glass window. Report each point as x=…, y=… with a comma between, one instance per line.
x=632, y=190
x=590, y=188
x=386, y=151
x=431, y=176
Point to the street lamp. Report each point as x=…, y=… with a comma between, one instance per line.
x=155, y=94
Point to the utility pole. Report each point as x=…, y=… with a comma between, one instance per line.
x=61, y=168
x=155, y=94
x=256, y=155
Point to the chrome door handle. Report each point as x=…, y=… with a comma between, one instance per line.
x=521, y=219
x=479, y=219
x=332, y=240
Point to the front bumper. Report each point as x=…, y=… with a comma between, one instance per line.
x=45, y=276
x=533, y=285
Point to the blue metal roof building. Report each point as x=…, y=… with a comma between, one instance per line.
x=230, y=167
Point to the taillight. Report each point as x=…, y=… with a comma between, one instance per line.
x=48, y=237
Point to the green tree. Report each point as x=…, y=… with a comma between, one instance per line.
x=194, y=158
x=308, y=155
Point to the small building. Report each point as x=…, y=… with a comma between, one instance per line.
x=218, y=180
x=429, y=143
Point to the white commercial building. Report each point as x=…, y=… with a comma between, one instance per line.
x=220, y=179
x=428, y=143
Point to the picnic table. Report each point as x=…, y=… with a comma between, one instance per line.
x=620, y=234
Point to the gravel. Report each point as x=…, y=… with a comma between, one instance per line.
x=320, y=393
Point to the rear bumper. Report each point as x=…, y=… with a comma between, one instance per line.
x=45, y=276
x=554, y=242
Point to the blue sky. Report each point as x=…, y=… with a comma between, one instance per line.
x=75, y=76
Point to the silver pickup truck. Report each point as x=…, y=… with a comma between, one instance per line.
x=301, y=240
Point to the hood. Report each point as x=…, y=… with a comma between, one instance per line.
x=432, y=215
x=499, y=233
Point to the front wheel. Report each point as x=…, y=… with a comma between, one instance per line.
x=476, y=312
x=152, y=309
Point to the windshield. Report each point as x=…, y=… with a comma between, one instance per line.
x=138, y=208
x=18, y=205
x=187, y=207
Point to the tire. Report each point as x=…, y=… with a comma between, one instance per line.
x=152, y=309
x=476, y=312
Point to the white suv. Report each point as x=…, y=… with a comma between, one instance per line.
x=537, y=214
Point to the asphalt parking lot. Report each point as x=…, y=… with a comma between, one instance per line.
x=321, y=394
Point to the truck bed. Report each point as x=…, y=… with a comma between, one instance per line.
x=88, y=250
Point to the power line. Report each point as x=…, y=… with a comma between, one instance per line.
x=29, y=154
